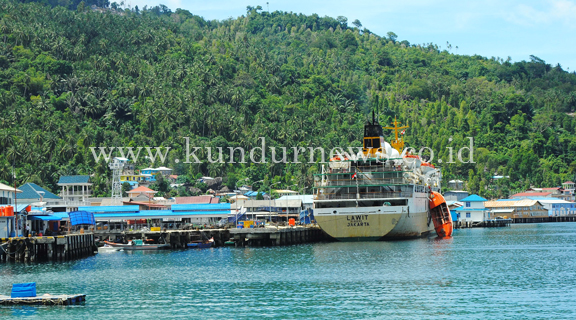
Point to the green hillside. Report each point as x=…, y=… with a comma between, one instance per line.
x=72, y=79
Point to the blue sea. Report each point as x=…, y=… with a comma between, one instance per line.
x=525, y=271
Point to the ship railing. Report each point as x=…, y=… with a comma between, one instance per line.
x=363, y=195
x=360, y=182
x=379, y=171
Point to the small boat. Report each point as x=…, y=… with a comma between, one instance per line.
x=440, y=215
x=201, y=244
x=137, y=245
x=108, y=248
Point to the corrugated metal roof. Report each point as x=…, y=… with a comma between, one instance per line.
x=196, y=200
x=194, y=207
x=473, y=198
x=73, y=179
x=267, y=203
x=4, y=187
x=31, y=191
x=45, y=218
x=531, y=194
x=305, y=198
x=142, y=189
x=469, y=209
x=513, y=203
x=96, y=209
x=150, y=214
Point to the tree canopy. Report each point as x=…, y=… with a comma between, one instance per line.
x=77, y=76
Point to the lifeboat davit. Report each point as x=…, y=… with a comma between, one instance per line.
x=339, y=162
x=440, y=215
x=426, y=167
x=412, y=161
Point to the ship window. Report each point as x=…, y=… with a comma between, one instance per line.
x=376, y=143
x=467, y=204
x=467, y=214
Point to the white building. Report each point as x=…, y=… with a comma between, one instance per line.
x=473, y=210
x=306, y=199
x=568, y=187
x=557, y=207
x=75, y=191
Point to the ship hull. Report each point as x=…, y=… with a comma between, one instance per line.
x=371, y=224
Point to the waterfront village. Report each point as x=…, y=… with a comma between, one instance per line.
x=46, y=213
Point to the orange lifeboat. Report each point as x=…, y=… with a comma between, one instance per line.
x=426, y=167
x=440, y=215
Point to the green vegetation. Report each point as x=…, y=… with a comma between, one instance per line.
x=72, y=79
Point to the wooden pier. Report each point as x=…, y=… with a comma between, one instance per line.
x=242, y=237
x=57, y=248
x=176, y=238
x=47, y=299
x=566, y=218
x=483, y=224
x=276, y=236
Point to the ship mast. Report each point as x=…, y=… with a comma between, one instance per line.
x=397, y=144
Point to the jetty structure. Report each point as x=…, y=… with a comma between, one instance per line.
x=46, y=299
x=50, y=248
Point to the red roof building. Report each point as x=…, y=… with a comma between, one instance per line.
x=141, y=191
x=522, y=195
x=197, y=200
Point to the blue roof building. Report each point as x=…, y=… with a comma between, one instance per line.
x=32, y=192
x=473, y=209
x=473, y=198
x=73, y=180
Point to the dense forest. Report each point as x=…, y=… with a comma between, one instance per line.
x=75, y=75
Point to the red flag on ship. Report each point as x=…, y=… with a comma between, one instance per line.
x=403, y=131
x=354, y=176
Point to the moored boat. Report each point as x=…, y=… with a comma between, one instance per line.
x=201, y=244
x=137, y=245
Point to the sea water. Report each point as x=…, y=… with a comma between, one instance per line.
x=526, y=271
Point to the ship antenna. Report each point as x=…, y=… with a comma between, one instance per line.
x=373, y=118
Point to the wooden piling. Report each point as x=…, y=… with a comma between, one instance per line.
x=33, y=249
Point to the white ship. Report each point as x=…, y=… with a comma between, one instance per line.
x=377, y=194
